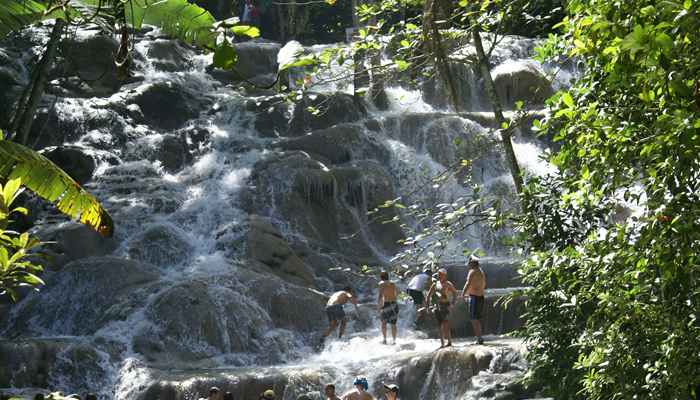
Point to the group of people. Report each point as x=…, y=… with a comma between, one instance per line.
x=440, y=299
x=359, y=392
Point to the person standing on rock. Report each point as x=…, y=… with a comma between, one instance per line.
x=442, y=290
x=360, y=390
x=474, y=288
x=335, y=312
x=329, y=391
x=416, y=286
x=387, y=305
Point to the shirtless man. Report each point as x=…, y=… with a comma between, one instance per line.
x=329, y=391
x=387, y=305
x=360, y=391
x=474, y=288
x=335, y=312
x=442, y=289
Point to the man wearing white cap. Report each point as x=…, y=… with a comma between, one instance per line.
x=474, y=288
x=442, y=289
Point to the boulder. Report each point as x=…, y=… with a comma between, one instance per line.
x=172, y=152
x=319, y=111
x=160, y=244
x=166, y=105
x=169, y=55
x=267, y=246
x=84, y=296
x=73, y=241
x=13, y=79
x=522, y=80
x=196, y=320
x=272, y=115
x=73, y=160
x=90, y=57
x=339, y=144
x=256, y=62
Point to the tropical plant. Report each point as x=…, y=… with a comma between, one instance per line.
x=614, y=238
x=17, y=269
x=45, y=179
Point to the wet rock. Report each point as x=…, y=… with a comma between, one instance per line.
x=169, y=55
x=339, y=144
x=257, y=62
x=267, y=246
x=90, y=57
x=73, y=241
x=521, y=81
x=13, y=78
x=161, y=245
x=466, y=83
x=73, y=160
x=84, y=296
x=272, y=115
x=326, y=111
x=172, y=152
x=196, y=320
x=500, y=273
x=167, y=105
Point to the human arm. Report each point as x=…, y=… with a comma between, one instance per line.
x=467, y=284
x=380, y=297
x=429, y=300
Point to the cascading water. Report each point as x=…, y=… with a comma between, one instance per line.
x=229, y=226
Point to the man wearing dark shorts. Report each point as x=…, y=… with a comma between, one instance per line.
x=387, y=305
x=335, y=312
x=416, y=286
x=475, y=288
x=443, y=289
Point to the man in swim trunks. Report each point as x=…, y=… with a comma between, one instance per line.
x=442, y=289
x=335, y=312
x=474, y=288
x=360, y=391
x=387, y=305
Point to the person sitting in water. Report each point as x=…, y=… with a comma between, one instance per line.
x=329, y=392
x=387, y=305
x=474, y=288
x=442, y=290
x=335, y=312
x=392, y=392
x=268, y=395
x=416, y=286
x=360, y=390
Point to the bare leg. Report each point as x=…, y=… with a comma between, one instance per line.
x=384, y=331
x=442, y=334
x=448, y=333
x=393, y=332
x=330, y=329
x=342, y=329
x=476, y=326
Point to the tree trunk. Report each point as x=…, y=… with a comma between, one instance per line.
x=485, y=68
x=28, y=104
x=432, y=39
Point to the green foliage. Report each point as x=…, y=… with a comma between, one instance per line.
x=49, y=182
x=16, y=268
x=614, y=240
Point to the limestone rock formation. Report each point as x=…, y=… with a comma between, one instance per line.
x=79, y=165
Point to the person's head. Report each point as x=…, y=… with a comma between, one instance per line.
x=228, y=396
x=269, y=394
x=348, y=289
x=428, y=272
x=384, y=276
x=473, y=262
x=442, y=274
x=214, y=392
x=329, y=390
x=361, y=384
x=391, y=391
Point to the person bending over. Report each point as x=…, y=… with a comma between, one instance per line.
x=335, y=312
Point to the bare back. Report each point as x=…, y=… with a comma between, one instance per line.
x=387, y=290
x=357, y=395
x=340, y=297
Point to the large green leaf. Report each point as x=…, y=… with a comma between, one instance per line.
x=17, y=14
x=48, y=181
x=177, y=18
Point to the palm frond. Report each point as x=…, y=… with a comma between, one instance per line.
x=177, y=18
x=17, y=14
x=50, y=182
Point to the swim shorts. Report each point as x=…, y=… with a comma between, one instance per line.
x=442, y=311
x=390, y=312
x=335, y=312
x=417, y=296
x=476, y=307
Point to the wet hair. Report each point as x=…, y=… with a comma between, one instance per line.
x=384, y=275
x=348, y=289
x=213, y=390
x=228, y=396
x=329, y=386
x=428, y=272
x=91, y=396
